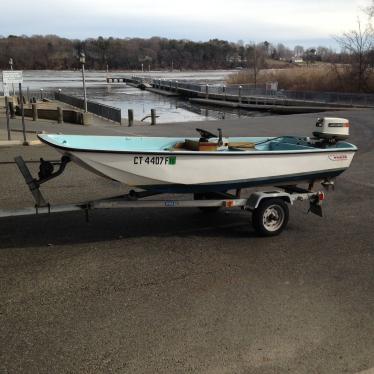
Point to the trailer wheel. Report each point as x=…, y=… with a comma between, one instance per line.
x=207, y=196
x=270, y=217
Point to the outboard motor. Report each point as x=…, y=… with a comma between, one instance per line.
x=332, y=129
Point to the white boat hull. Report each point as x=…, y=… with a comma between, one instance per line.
x=213, y=172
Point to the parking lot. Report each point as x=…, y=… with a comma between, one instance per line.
x=177, y=290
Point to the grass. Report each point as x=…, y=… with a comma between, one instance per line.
x=312, y=78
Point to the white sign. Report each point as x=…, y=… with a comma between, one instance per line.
x=12, y=76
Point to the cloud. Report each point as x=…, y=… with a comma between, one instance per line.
x=257, y=20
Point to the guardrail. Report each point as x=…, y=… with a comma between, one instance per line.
x=102, y=110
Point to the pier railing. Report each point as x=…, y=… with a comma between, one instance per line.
x=238, y=92
x=172, y=85
x=102, y=110
x=329, y=97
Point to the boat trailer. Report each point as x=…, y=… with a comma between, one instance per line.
x=269, y=209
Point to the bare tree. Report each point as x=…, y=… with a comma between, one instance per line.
x=283, y=52
x=370, y=10
x=358, y=44
x=310, y=55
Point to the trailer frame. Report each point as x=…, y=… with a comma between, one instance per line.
x=274, y=199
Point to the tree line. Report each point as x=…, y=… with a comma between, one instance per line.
x=53, y=52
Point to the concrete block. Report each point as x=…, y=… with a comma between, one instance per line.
x=87, y=119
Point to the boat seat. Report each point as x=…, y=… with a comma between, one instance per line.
x=195, y=145
x=245, y=146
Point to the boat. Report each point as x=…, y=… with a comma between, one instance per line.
x=212, y=162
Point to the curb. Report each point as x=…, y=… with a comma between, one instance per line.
x=12, y=143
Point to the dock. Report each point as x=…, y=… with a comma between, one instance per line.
x=276, y=109
x=248, y=97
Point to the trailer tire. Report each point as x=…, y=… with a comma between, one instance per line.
x=206, y=196
x=270, y=217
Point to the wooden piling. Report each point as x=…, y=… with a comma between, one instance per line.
x=60, y=115
x=130, y=117
x=153, y=117
x=22, y=114
x=34, y=112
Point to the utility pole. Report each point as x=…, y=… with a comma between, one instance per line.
x=255, y=63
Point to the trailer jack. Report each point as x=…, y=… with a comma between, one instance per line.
x=46, y=173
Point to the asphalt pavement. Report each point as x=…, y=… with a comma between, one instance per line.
x=179, y=291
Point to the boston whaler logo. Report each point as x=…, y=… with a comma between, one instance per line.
x=338, y=157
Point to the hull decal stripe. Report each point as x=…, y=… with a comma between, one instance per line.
x=228, y=185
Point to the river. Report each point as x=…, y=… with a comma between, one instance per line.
x=120, y=95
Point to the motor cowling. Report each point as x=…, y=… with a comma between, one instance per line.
x=332, y=128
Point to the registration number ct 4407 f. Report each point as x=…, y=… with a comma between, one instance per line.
x=155, y=160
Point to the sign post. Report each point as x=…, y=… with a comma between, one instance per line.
x=7, y=116
x=16, y=77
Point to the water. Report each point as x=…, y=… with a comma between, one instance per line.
x=169, y=109
x=119, y=95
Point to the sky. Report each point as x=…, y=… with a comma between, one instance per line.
x=309, y=23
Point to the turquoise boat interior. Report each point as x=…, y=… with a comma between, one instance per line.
x=181, y=144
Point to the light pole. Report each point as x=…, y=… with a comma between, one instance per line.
x=11, y=68
x=82, y=60
x=255, y=62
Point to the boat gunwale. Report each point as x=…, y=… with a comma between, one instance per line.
x=200, y=153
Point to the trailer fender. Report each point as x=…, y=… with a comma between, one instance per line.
x=255, y=198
